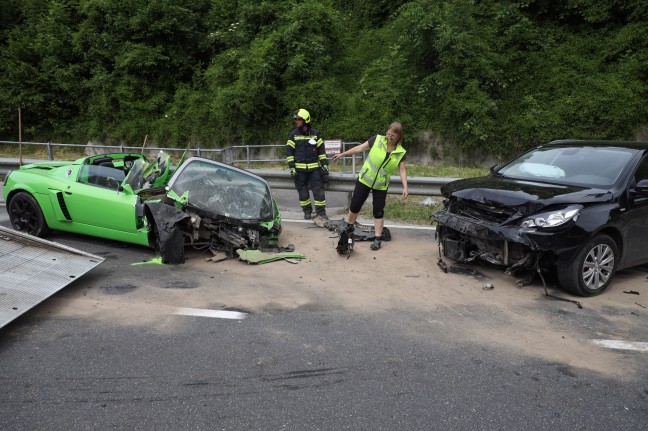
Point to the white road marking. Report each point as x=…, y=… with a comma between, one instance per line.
x=219, y=314
x=623, y=345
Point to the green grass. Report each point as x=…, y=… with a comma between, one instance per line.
x=39, y=152
x=445, y=171
x=412, y=210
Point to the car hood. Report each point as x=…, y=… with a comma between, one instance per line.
x=524, y=195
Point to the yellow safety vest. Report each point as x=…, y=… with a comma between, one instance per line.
x=378, y=167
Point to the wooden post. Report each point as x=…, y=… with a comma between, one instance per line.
x=144, y=144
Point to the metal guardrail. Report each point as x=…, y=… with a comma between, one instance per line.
x=278, y=179
x=421, y=186
x=237, y=154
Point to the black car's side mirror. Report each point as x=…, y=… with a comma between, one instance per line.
x=642, y=187
x=494, y=168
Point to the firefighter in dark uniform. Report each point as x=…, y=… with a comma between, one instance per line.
x=306, y=157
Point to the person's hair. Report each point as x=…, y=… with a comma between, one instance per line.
x=398, y=129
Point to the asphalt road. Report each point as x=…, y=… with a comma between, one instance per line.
x=111, y=351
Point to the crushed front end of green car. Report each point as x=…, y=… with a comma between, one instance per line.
x=126, y=197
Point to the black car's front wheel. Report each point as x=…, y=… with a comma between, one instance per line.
x=26, y=216
x=591, y=272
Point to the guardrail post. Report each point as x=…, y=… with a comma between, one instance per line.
x=50, y=151
x=247, y=155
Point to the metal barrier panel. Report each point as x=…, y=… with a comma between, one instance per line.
x=33, y=269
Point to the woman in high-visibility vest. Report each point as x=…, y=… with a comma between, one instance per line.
x=386, y=153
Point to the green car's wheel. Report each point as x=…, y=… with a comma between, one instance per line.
x=26, y=216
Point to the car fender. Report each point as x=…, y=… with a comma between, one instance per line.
x=594, y=220
x=16, y=188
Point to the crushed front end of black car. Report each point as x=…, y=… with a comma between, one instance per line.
x=485, y=225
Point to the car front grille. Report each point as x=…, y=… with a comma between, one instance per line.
x=480, y=212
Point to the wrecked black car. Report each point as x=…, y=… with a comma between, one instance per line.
x=575, y=209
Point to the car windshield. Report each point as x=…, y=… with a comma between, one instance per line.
x=224, y=190
x=144, y=174
x=135, y=177
x=578, y=165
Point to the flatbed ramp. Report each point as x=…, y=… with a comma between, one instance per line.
x=33, y=269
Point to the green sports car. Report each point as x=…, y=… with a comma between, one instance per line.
x=126, y=197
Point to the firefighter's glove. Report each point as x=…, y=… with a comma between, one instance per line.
x=293, y=173
x=324, y=173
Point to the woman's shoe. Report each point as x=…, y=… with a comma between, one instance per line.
x=375, y=245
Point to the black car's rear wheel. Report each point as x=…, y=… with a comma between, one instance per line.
x=591, y=272
x=26, y=216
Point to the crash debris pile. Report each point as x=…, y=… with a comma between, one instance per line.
x=349, y=233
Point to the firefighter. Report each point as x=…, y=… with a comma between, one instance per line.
x=306, y=157
x=386, y=155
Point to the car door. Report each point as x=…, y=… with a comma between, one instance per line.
x=97, y=199
x=636, y=219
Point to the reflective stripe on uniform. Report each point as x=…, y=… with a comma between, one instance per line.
x=307, y=165
x=376, y=184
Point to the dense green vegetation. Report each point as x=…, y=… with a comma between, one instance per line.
x=488, y=78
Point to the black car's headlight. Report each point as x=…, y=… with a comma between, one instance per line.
x=553, y=218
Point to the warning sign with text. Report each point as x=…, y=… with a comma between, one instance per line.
x=332, y=146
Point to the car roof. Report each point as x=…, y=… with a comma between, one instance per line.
x=635, y=145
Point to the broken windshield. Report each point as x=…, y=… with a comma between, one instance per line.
x=224, y=190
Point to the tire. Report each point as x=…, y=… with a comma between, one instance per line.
x=591, y=272
x=26, y=216
x=154, y=235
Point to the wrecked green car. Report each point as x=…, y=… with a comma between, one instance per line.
x=126, y=197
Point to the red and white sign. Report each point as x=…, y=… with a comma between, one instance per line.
x=332, y=146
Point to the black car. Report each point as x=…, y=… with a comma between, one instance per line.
x=576, y=209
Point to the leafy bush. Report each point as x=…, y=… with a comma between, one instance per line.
x=488, y=78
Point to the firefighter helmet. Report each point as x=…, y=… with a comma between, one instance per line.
x=302, y=114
